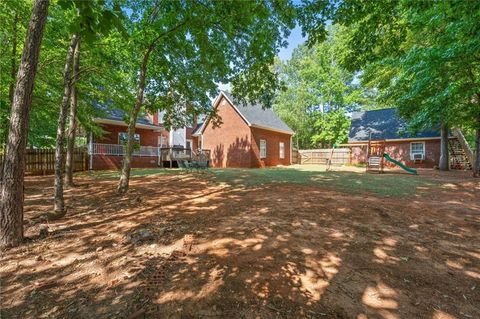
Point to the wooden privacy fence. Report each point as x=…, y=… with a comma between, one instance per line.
x=42, y=161
x=339, y=156
x=295, y=156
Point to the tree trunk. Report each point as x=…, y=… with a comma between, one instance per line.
x=73, y=119
x=11, y=200
x=476, y=164
x=59, y=204
x=13, y=67
x=122, y=187
x=444, y=163
x=13, y=74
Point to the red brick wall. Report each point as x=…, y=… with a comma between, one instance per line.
x=195, y=143
x=229, y=144
x=400, y=151
x=103, y=162
x=148, y=137
x=188, y=133
x=273, y=140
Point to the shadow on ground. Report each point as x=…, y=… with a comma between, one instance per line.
x=220, y=247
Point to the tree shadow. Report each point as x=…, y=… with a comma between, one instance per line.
x=239, y=153
x=270, y=250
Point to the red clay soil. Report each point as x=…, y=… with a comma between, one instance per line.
x=275, y=251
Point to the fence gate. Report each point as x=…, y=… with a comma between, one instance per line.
x=339, y=156
x=42, y=161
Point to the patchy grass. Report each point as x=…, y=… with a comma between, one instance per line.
x=349, y=180
x=384, y=185
x=280, y=249
x=136, y=172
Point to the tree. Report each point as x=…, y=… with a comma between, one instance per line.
x=73, y=118
x=421, y=56
x=318, y=92
x=59, y=205
x=190, y=46
x=15, y=17
x=331, y=128
x=88, y=18
x=11, y=205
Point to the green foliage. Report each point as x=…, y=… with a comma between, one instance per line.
x=318, y=92
x=91, y=19
x=14, y=17
x=331, y=128
x=421, y=56
x=194, y=46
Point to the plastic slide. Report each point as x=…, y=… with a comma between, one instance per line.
x=406, y=168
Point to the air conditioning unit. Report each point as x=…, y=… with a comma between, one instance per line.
x=418, y=157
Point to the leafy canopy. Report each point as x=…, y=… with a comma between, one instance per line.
x=318, y=92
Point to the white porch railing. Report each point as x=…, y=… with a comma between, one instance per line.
x=119, y=150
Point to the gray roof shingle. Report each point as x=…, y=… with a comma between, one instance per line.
x=119, y=115
x=256, y=115
x=197, y=128
x=382, y=124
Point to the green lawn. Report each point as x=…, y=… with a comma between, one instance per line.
x=383, y=185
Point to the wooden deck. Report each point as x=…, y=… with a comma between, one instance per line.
x=169, y=155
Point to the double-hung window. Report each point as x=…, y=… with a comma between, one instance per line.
x=263, y=148
x=417, y=151
x=123, y=137
x=281, y=147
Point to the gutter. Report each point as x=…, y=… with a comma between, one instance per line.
x=122, y=123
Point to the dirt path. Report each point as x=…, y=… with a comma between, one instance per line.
x=274, y=251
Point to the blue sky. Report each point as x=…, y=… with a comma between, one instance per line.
x=294, y=40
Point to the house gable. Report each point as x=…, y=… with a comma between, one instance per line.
x=253, y=115
x=230, y=143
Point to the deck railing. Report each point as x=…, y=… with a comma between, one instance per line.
x=174, y=153
x=163, y=153
x=119, y=150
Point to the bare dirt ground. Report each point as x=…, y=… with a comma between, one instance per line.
x=213, y=250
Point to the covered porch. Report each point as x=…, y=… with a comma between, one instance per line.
x=108, y=156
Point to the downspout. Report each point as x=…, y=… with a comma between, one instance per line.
x=291, y=151
x=90, y=152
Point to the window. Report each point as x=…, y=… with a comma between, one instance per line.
x=263, y=148
x=122, y=138
x=281, y=146
x=417, y=150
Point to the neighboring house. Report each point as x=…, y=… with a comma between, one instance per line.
x=106, y=151
x=415, y=150
x=249, y=136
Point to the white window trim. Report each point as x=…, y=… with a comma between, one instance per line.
x=134, y=135
x=412, y=153
x=260, y=148
x=280, y=153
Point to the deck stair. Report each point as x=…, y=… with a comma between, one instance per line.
x=458, y=156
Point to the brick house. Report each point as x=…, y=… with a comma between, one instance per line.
x=249, y=136
x=106, y=151
x=420, y=150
